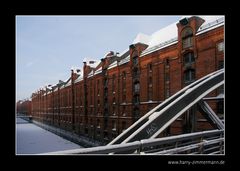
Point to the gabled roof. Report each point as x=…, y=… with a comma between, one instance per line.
x=68, y=82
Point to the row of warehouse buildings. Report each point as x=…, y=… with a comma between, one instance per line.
x=105, y=97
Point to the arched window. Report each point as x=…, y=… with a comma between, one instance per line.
x=187, y=38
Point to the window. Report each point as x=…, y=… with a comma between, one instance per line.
x=91, y=122
x=124, y=80
x=188, y=58
x=166, y=76
x=220, y=46
x=150, y=94
x=105, y=92
x=220, y=107
x=124, y=75
x=136, y=112
x=105, y=103
x=98, y=92
x=113, y=110
x=98, y=123
x=135, y=58
x=136, y=99
x=105, y=82
x=135, y=72
x=167, y=92
x=189, y=75
x=150, y=88
x=167, y=62
x=124, y=97
x=150, y=81
x=114, y=125
x=105, y=124
x=123, y=125
x=105, y=135
x=187, y=38
x=220, y=65
x=124, y=110
x=136, y=87
x=149, y=67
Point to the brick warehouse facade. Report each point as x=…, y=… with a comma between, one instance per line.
x=105, y=97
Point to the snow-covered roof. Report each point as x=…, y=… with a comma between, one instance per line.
x=106, y=54
x=123, y=52
x=159, y=46
x=63, y=85
x=168, y=35
x=99, y=70
x=114, y=64
x=91, y=74
x=211, y=22
x=142, y=38
x=125, y=60
x=68, y=83
x=161, y=38
x=76, y=69
x=55, y=89
x=80, y=78
x=163, y=35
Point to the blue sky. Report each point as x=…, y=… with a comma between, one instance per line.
x=48, y=46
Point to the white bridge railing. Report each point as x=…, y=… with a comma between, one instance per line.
x=206, y=142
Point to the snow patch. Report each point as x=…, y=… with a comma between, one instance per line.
x=142, y=38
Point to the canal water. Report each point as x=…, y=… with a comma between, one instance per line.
x=31, y=139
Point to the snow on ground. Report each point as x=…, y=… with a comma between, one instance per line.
x=31, y=139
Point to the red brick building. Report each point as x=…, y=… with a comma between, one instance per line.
x=24, y=107
x=107, y=96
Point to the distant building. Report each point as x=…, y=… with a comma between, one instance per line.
x=24, y=107
x=106, y=97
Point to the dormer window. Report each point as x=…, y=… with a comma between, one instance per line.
x=187, y=38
